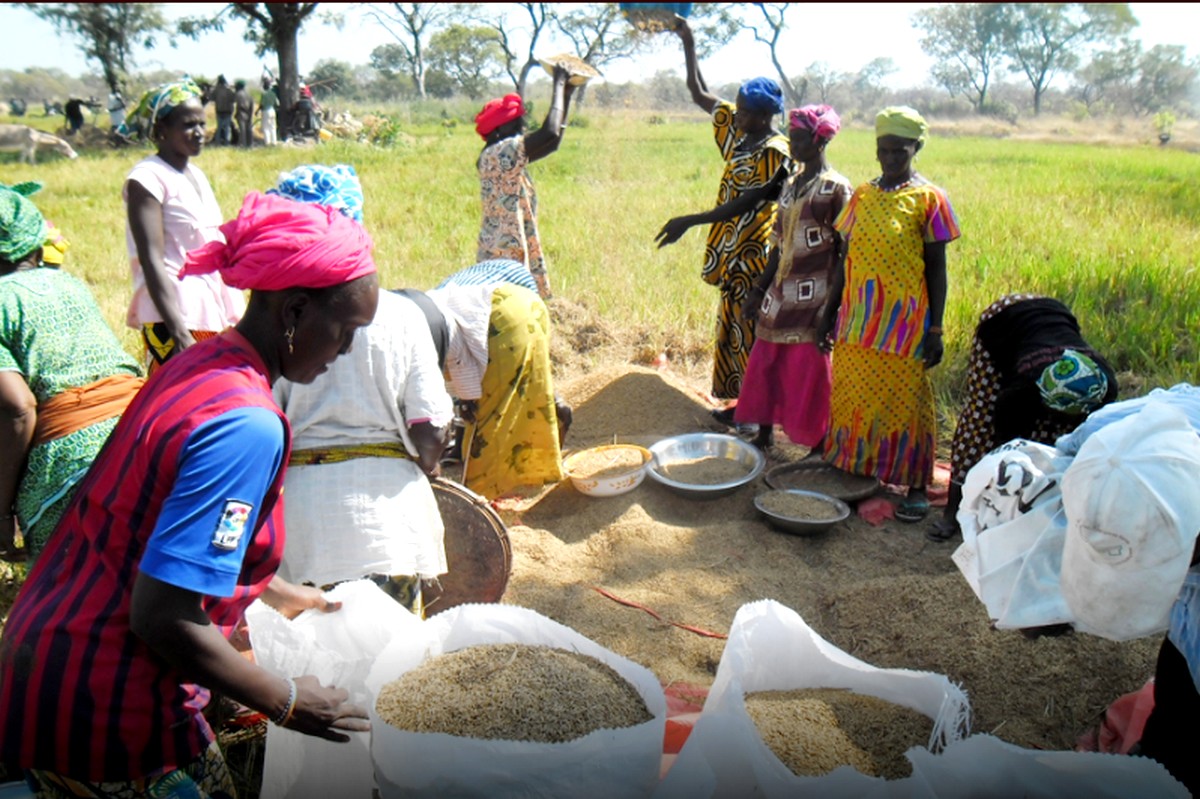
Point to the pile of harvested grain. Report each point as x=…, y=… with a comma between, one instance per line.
x=512, y=692
x=604, y=462
x=798, y=506
x=708, y=471
x=884, y=594
x=816, y=730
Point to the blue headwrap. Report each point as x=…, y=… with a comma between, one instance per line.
x=761, y=95
x=333, y=186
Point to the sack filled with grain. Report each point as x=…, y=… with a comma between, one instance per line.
x=845, y=735
x=341, y=649
x=508, y=702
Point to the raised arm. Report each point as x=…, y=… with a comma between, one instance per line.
x=546, y=139
x=695, y=81
x=146, y=225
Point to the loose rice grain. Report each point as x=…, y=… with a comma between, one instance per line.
x=515, y=692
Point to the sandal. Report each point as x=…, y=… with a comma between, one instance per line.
x=942, y=531
x=912, y=510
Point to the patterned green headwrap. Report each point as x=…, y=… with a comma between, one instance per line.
x=1073, y=384
x=158, y=102
x=22, y=227
x=902, y=121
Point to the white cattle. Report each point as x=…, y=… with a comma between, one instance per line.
x=26, y=141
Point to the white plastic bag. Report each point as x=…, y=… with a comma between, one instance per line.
x=771, y=648
x=1013, y=527
x=340, y=649
x=984, y=767
x=604, y=763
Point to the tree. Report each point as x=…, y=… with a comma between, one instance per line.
x=1044, y=39
x=412, y=25
x=1165, y=77
x=822, y=79
x=966, y=39
x=330, y=77
x=1110, y=72
x=773, y=17
x=108, y=33
x=269, y=27
x=867, y=83
x=599, y=34
x=542, y=17
x=470, y=56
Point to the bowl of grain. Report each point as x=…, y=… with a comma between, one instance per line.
x=705, y=465
x=607, y=471
x=795, y=510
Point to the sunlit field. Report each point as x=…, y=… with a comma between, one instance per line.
x=1114, y=231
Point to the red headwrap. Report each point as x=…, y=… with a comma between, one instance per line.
x=497, y=112
x=276, y=243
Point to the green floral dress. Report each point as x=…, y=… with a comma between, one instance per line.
x=53, y=334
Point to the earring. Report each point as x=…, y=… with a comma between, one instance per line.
x=289, y=334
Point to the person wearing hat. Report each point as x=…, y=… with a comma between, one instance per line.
x=1131, y=563
x=64, y=376
x=120, y=632
x=884, y=319
x=509, y=229
x=367, y=436
x=1031, y=375
x=735, y=253
x=170, y=210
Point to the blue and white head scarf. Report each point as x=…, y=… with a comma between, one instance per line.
x=333, y=186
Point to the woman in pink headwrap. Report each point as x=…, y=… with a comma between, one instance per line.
x=509, y=228
x=787, y=376
x=121, y=630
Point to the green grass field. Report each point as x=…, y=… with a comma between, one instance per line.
x=1114, y=231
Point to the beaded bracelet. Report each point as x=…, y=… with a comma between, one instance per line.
x=286, y=714
x=935, y=329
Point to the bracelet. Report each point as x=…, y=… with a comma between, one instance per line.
x=286, y=715
x=935, y=329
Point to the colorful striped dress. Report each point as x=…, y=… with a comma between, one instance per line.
x=736, y=251
x=883, y=421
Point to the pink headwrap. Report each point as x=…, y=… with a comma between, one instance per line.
x=497, y=112
x=276, y=243
x=821, y=120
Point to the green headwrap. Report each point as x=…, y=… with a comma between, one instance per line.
x=160, y=101
x=22, y=227
x=902, y=121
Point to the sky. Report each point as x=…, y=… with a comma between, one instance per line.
x=840, y=39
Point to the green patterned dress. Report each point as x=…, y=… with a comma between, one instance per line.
x=53, y=334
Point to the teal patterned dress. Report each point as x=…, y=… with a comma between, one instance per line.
x=53, y=334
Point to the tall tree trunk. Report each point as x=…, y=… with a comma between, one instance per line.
x=287, y=48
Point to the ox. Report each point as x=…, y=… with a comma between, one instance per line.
x=26, y=141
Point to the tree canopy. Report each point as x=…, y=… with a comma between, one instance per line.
x=108, y=33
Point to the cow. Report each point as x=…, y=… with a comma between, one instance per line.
x=26, y=141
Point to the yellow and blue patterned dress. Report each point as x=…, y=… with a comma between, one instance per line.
x=736, y=251
x=883, y=416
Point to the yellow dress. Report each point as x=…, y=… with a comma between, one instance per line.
x=736, y=251
x=883, y=415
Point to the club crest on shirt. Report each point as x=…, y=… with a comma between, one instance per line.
x=234, y=518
